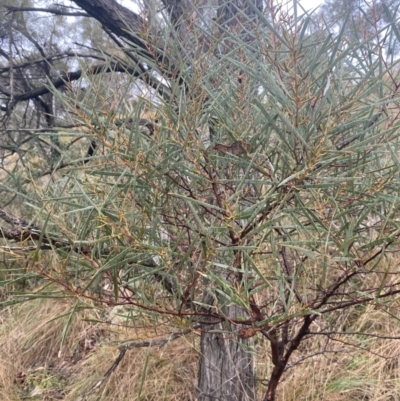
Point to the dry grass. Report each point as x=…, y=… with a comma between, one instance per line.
x=353, y=368
x=47, y=355
x=144, y=374
x=38, y=366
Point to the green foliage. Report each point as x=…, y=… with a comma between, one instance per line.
x=312, y=192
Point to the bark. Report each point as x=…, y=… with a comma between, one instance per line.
x=122, y=22
x=128, y=25
x=226, y=369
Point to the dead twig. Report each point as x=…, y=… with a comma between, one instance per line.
x=122, y=351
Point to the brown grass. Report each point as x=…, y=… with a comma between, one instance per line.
x=48, y=355
x=36, y=365
x=354, y=368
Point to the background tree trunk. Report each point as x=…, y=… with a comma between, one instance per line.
x=226, y=369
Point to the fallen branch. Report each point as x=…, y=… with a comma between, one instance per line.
x=122, y=351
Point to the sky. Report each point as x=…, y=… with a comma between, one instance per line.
x=309, y=4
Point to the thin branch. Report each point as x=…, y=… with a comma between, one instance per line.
x=21, y=234
x=15, y=221
x=54, y=57
x=122, y=351
x=356, y=346
x=56, y=11
x=33, y=131
x=69, y=77
x=353, y=333
x=106, y=375
x=75, y=75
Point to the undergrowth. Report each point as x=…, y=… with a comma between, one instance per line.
x=48, y=355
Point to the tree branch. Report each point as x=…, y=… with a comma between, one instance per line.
x=353, y=333
x=50, y=10
x=69, y=77
x=47, y=59
x=121, y=21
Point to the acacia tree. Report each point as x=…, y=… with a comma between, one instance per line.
x=260, y=199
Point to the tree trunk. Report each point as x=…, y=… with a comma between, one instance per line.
x=226, y=371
